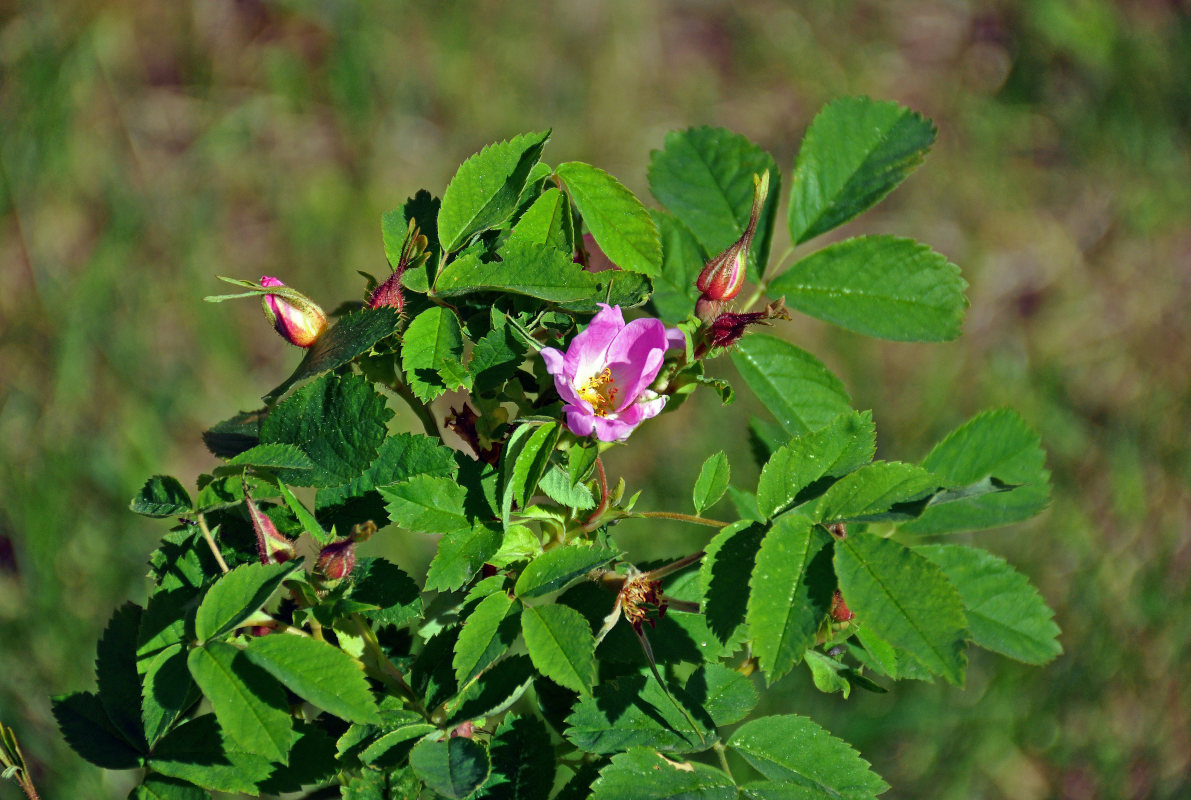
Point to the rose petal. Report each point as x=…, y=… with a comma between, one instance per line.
x=579, y=421
x=635, y=358
x=608, y=429
x=587, y=354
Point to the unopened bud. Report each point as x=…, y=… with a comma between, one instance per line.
x=337, y=560
x=271, y=545
x=413, y=254
x=839, y=609
x=724, y=275
x=296, y=317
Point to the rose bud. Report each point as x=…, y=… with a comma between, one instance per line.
x=723, y=276
x=296, y=317
x=337, y=560
x=271, y=545
x=413, y=254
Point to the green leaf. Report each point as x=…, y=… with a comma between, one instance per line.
x=880, y=286
x=401, y=457
x=712, y=481
x=796, y=750
x=488, y=632
x=794, y=385
x=460, y=555
x=162, y=496
x=234, y=435
x=619, y=223
x=485, y=190
x=307, y=520
x=845, y=444
x=238, y=595
x=311, y=761
x=614, y=287
x=155, y=788
x=319, y=673
x=995, y=444
x=454, y=768
x=547, y=222
x=906, y=600
x=854, y=153
x=272, y=456
x=168, y=692
x=704, y=176
x=557, y=486
x=393, y=747
x=558, y=568
x=643, y=774
x=727, y=565
x=522, y=761
x=633, y=710
x=874, y=491
x=675, y=293
x=494, y=692
x=524, y=460
x=533, y=270
x=382, y=584
x=789, y=593
x=196, y=752
x=826, y=672
x=116, y=674
x=339, y=421
x=496, y=356
x=372, y=785
x=427, y=504
x=89, y=732
x=1006, y=614
x=561, y=645
x=434, y=338
x=352, y=335
x=251, y=707
x=725, y=694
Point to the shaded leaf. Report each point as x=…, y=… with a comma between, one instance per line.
x=906, y=600
x=251, y=707
x=352, y=335
x=643, y=774
x=454, y=768
x=86, y=728
x=633, y=710
x=162, y=496
x=620, y=224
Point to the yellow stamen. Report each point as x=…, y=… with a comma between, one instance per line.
x=600, y=391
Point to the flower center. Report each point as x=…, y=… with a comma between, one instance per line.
x=600, y=391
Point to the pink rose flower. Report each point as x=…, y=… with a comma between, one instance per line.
x=604, y=376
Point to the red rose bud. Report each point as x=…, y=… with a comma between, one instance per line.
x=723, y=276
x=296, y=317
x=839, y=609
x=271, y=545
x=337, y=560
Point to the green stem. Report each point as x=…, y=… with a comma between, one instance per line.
x=593, y=522
x=673, y=566
x=713, y=523
x=202, y=522
x=388, y=671
x=721, y=751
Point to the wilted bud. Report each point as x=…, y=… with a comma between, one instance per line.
x=723, y=276
x=337, y=560
x=727, y=329
x=296, y=317
x=271, y=545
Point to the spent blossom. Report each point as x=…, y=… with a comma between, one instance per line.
x=604, y=376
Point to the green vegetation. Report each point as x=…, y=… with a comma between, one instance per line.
x=146, y=149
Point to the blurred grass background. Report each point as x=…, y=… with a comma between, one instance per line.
x=146, y=147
